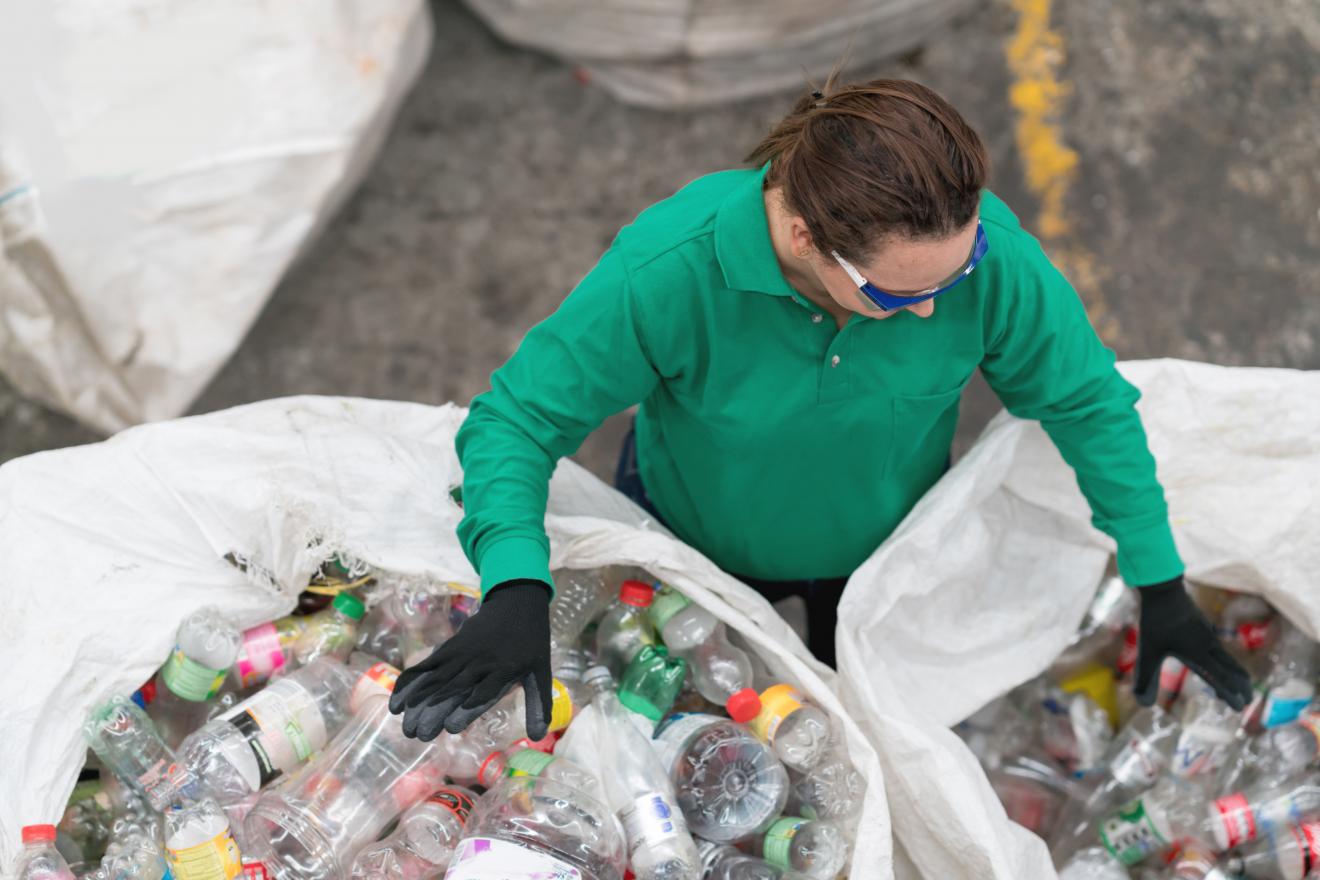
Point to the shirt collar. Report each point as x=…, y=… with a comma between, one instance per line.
x=742, y=240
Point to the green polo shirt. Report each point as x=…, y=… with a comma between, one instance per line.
x=775, y=443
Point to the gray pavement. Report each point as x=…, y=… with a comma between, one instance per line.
x=1192, y=210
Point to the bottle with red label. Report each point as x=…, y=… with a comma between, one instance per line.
x=1293, y=854
x=1279, y=753
x=1264, y=809
x=424, y=841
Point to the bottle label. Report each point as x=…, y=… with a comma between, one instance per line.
x=1307, y=838
x=665, y=605
x=651, y=821
x=1286, y=702
x=675, y=733
x=216, y=859
x=561, y=706
x=1137, y=764
x=282, y=726
x=779, y=840
x=485, y=858
x=528, y=762
x=378, y=679
x=455, y=801
x=164, y=773
x=1130, y=835
x=1237, y=818
x=777, y=703
x=260, y=654
x=190, y=680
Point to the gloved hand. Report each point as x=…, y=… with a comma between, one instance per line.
x=507, y=642
x=1172, y=626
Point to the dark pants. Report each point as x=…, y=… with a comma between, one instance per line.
x=820, y=594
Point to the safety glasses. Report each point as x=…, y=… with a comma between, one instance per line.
x=891, y=301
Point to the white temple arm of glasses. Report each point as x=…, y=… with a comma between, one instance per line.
x=848, y=267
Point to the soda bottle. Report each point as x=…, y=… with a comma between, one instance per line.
x=724, y=862
x=652, y=681
x=205, y=648
x=199, y=844
x=424, y=841
x=580, y=597
x=270, y=733
x=1292, y=855
x=330, y=633
x=1278, y=753
x=625, y=629
x=1263, y=809
x=39, y=859
x=833, y=789
x=799, y=731
x=528, y=827
x=312, y=824
x=722, y=672
x=1209, y=729
x=815, y=849
x=521, y=760
x=265, y=650
x=128, y=744
x=1291, y=683
x=639, y=790
x=729, y=784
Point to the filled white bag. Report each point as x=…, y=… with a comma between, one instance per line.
x=108, y=547
x=984, y=583
x=162, y=164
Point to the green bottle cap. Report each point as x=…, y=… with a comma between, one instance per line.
x=349, y=605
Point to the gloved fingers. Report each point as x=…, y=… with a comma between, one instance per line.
x=426, y=721
x=1216, y=667
x=1146, y=681
x=415, y=684
x=479, y=700
x=450, y=693
x=537, y=695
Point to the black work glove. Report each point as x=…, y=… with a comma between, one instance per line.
x=507, y=642
x=1172, y=626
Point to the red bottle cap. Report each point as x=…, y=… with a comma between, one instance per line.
x=148, y=692
x=38, y=833
x=636, y=593
x=744, y=705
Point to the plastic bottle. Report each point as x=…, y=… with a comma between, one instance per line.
x=651, y=682
x=818, y=850
x=128, y=744
x=372, y=677
x=265, y=649
x=199, y=844
x=135, y=852
x=311, y=825
x=1278, y=753
x=330, y=633
x=570, y=671
x=1173, y=809
x=521, y=760
x=39, y=859
x=272, y=732
x=721, y=672
x=527, y=827
x=580, y=597
x=1291, y=855
x=639, y=789
x=1263, y=809
x=799, y=731
x=1209, y=730
x=833, y=789
x=424, y=841
x=500, y=727
x=625, y=628
x=1291, y=683
x=1093, y=863
x=205, y=648
x=1247, y=625
x=724, y=862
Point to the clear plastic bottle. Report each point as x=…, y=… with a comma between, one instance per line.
x=1263, y=809
x=330, y=633
x=1209, y=730
x=1290, y=686
x=639, y=789
x=815, y=849
x=539, y=828
x=580, y=597
x=372, y=677
x=199, y=844
x=1175, y=808
x=270, y=733
x=424, y=841
x=204, y=650
x=521, y=760
x=724, y=862
x=570, y=671
x=1291, y=855
x=729, y=784
x=1278, y=753
x=833, y=789
x=1093, y=863
x=265, y=649
x=128, y=744
x=721, y=672
x=500, y=727
x=1248, y=625
x=39, y=859
x=311, y=825
x=625, y=629
x=135, y=852
x=799, y=731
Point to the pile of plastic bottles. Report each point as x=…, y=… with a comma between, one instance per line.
x=1187, y=788
x=272, y=753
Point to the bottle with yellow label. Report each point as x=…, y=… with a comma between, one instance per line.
x=199, y=844
x=799, y=731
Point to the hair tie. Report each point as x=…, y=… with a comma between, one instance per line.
x=820, y=102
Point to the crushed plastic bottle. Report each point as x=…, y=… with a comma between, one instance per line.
x=722, y=672
x=128, y=744
x=39, y=860
x=199, y=844
x=833, y=789
x=424, y=841
x=625, y=628
x=799, y=731
x=1209, y=730
x=330, y=633
x=135, y=852
x=1277, y=753
x=204, y=650
x=580, y=597
x=815, y=849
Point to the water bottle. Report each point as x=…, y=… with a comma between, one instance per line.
x=1292, y=855
x=625, y=629
x=1209, y=729
x=799, y=731
x=1175, y=808
x=272, y=732
x=135, y=852
x=724, y=862
x=1278, y=753
x=729, y=784
x=570, y=673
x=498, y=728
x=651, y=682
x=1093, y=863
x=311, y=825
x=199, y=844
x=527, y=827
x=638, y=788
x=833, y=789
x=721, y=672
x=1291, y=683
x=520, y=760
x=424, y=841
x=330, y=633
x=815, y=849
x=39, y=860
x=580, y=597
x=206, y=646
x=128, y=744
x=1264, y=809
x=265, y=650
x=372, y=677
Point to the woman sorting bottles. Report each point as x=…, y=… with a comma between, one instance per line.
x=797, y=334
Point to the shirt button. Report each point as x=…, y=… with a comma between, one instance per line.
x=834, y=361
x=816, y=319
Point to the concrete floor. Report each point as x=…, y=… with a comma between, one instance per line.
x=1188, y=218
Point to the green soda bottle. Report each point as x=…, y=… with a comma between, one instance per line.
x=652, y=681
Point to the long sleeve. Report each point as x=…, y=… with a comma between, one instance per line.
x=582, y=364
x=1045, y=362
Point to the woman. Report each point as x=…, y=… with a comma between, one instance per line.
x=798, y=335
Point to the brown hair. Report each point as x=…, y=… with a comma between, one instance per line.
x=863, y=162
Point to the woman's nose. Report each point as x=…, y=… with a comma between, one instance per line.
x=923, y=309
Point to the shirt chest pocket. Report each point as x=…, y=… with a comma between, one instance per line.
x=924, y=426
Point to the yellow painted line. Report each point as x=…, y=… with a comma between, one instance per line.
x=1035, y=53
